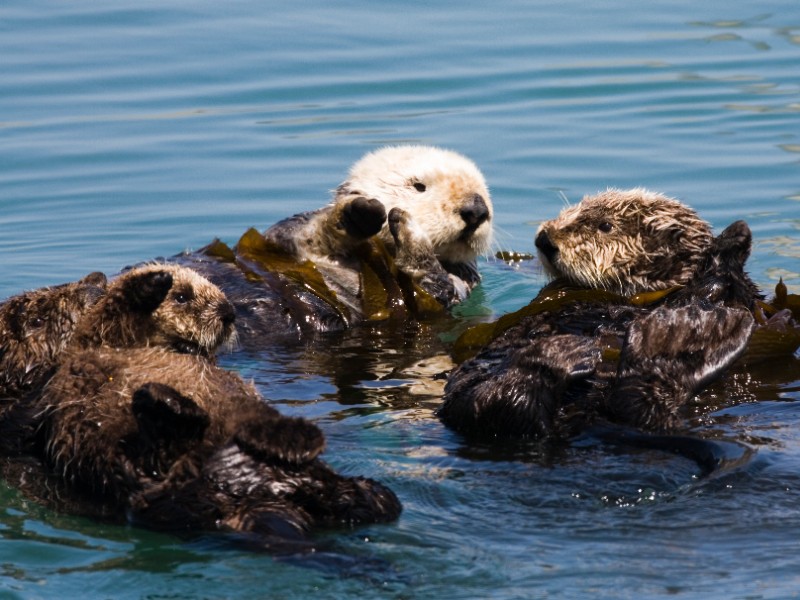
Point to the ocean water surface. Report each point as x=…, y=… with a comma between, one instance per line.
x=135, y=130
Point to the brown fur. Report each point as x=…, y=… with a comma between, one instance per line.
x=175, y=442
x=36, y=326
x=625, y=242
x=573, y=358
x=170, y=440
x=159, y=305
x=323, y=270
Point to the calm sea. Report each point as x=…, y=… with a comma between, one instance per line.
x=131, y=130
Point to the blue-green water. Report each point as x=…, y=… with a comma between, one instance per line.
x=135, y=130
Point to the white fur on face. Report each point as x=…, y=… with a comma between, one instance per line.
x=432, y=185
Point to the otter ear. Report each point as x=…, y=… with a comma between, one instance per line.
x=344, y=189
x=147, y=290
x=96, y=278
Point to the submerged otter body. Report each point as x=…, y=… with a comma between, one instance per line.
x=174, y=442
x=399, y=239
x=139, y=423
x=564, y=364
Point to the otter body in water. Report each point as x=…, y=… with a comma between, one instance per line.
x=139, y=423
x=564, y=365
x=36, y=326
x=399, y=239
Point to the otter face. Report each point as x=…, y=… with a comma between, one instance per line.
x=443, y=191
x=625, y=242
x=36, y=326
x=195, y=315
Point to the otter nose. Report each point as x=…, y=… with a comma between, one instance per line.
x=545, y=246
x=474, y=211
x=226, y=314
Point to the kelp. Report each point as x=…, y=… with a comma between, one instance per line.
x=552, y=298
x=776, y=335
x=386, y=293
x=511, y=256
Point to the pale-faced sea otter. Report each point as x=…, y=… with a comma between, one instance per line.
x=399, y=239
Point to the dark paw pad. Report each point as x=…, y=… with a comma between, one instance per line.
x=163, y=412
x=287, y=439
x=146, y=291
x=363, y=217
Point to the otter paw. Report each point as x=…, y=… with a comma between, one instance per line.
x=146, y=291
x=162, y=411
x=414, y=253
x=363, y=217
x=288, y=439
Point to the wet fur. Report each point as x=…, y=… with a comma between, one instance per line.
x=161, y=305
x=554, y=373
x=174, y=442
x=139, y=420
x=448, y=215
x=35, y=328
x=626, y=242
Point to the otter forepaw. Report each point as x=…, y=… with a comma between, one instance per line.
x=288, y=439
x=363, y=217
x=414, y=253
x=162, y=412
x=146, y=291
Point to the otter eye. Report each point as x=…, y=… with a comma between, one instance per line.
x=183, y=296
x=419, y=186
x=36, y=322
x=605, y=226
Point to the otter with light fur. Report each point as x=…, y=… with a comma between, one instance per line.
x=447, y=213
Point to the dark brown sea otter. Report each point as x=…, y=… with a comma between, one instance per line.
x=577, y=356
x=139, y=423
x=36, y=326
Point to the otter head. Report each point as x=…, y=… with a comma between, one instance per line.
x=443, y=191
x=36, y=326
x=160, y=305
x=625, y=242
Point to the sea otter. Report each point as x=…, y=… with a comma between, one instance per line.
x=345, y=263
x=36, y=326
x=158, y=304
x=140, y=423
x=577, y=356
x=624, y=241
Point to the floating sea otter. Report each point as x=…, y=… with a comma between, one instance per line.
x=139, y=423
x=577, y=356
x=36, y=326
x=400, y=238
